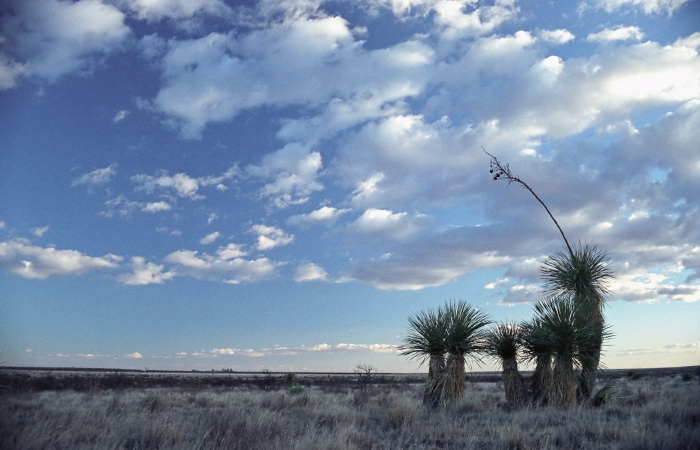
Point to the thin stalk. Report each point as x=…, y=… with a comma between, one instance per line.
x=504, y=171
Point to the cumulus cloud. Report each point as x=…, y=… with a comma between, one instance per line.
x=320, y=57
x=40, y=231
x=559, y=36
x=154, y=207
x=271, y=237
x=120, y=115
x=226, y=265
x=51, y=38
x=11, y=71
x=619, y=33
x=459, y=19
x=325, y=214
x=693, y=347
x=144, y=273
x=19, y=257
x=292, y=351
x=155, y=10
x=181, y=184
x=648, y=6
x=310, y=272
x=293, y=173
x=387, y=224
x=209, y=238
x=96, y=177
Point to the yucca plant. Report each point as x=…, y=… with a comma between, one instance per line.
x=582, y=272
x=570, y=340
x=464, y=337
x=536, y=349
x=503, y=342
x=425, y=341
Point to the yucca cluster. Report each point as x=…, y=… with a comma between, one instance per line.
x=563, y=339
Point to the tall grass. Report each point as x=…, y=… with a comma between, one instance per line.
x=649, y=413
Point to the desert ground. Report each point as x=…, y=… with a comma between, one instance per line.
x=108, y=409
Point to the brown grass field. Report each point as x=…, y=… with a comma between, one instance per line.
x=92, y=409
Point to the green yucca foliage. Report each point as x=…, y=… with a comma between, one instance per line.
x=536, y=349
x=464, y=333
x=426, y=335
x=464, y=337
x=445, y=337
x=425, y=341
x=569, y=338
x=503, y=342
x=582, y=272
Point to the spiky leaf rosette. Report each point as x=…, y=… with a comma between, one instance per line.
x=584, y=272
x=533, y=343
x=464, y=334
x=426, y=335
x=503, y=341
x=564, y=331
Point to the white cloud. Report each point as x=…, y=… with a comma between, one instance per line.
x=325, y=214
x=457, y=21
x=310, y=272
x=559, y=36
x=40, y=231
x=155, y=10
x=387, y=224
x=693, y=347
x=319, y=57
x=181, y=184
x=121, y=206
x=209, y=238
x=271, y=237
x=10, y=71
x=53, y=38
x=231, y=251
x=293, y=171
x=18, y=257
x=648, y=6
x=154, y=207
x=96, y=177
x=619, y=33
x=135, y=355
x=221, y=267
x=145, y=273
x=120, y=115
x=429, y=261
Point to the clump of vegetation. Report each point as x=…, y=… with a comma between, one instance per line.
x=445, y=338
x=504, y=343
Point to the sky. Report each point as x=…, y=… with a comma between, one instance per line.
x=280, y=184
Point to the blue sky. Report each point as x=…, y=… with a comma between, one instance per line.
x=207, y=184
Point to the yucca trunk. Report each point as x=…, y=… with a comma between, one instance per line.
x=591, y=357
x=513, y=382
x=541, y=379
x=453, y=388
x=562, y=390
x=436, y=381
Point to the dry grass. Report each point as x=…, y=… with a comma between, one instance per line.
x=652, y=413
